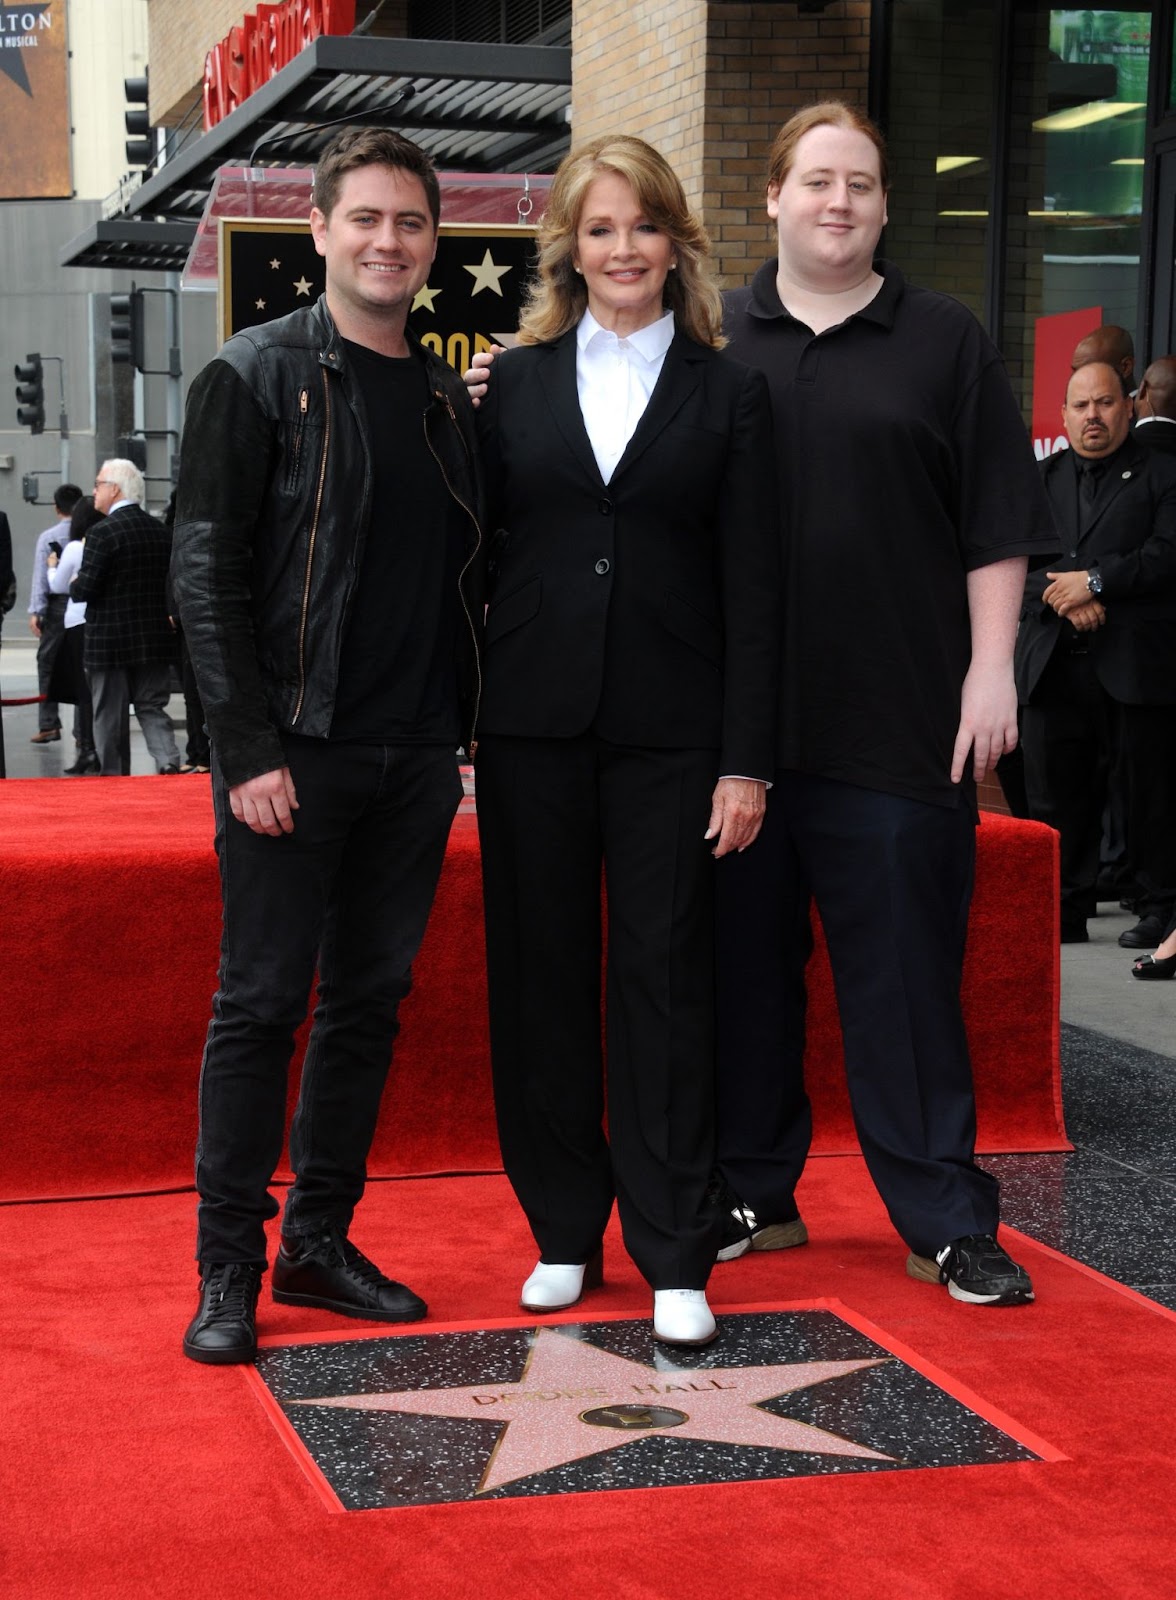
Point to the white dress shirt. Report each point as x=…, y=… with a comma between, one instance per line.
x=614, y=380
x=60, y=576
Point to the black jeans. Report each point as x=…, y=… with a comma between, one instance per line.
x=350, y=888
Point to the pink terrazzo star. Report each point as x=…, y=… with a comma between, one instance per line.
x=565, y=1378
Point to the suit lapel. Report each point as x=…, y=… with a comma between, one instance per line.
x=680, y=375
x=1118, y=478
x=557, y=376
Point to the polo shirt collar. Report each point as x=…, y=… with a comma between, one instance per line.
x=882, y=309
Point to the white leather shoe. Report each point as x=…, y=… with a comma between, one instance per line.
x=682, y=1316
x=555, y=1288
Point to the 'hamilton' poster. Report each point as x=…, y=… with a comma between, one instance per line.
x=34, y=102
x=471, y=301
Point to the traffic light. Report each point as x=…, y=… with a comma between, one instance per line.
x=127, y=342
x=140, y=146
x=132, y=447
x=30, y=393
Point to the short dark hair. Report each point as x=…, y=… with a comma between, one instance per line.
x=371, y=147
x=66, y=497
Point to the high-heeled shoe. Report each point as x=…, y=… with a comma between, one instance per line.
x=682, y=1316
x=1148, y=967
x=555, y=1287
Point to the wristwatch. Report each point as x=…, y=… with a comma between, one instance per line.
x=1094, y=584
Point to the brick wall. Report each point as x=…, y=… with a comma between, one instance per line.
x=763, y=63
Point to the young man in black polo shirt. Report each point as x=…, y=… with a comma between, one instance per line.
x=911, y=503
x=327, y=569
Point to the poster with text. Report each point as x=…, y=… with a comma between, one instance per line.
x=34, y=102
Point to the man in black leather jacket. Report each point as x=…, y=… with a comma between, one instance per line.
x=328, y=572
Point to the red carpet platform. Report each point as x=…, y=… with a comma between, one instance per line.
x=129, y=1473
x=108, y=954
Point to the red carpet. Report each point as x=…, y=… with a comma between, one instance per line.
x=128, y=1472
x=108, y=949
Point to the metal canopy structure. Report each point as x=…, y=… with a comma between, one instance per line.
x=473, y=107
x=121, y=243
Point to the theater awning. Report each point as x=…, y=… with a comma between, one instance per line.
x=474, y=107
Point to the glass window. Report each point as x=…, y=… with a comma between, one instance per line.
x=939, y=131
x=1075, y=173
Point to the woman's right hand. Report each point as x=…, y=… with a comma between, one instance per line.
x=476, y=375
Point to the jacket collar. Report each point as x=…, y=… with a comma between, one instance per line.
x=680, y=375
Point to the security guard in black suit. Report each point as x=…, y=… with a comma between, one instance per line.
x=1096, y=654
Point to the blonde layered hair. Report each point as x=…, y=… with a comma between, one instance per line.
x=557, y=297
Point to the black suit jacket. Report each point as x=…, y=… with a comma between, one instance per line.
x=647, y=609
x=122, y=579
x=1129, y=537
x=1156, y=436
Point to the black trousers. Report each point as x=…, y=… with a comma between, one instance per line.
x=892, y=879
x=1077, y=740
x=351, y=889
x=52, y=633
x=551, y=813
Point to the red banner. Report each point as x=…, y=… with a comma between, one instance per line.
x=1054, y=339
x=261, y=44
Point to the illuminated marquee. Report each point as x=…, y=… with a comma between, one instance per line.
x=261, y=44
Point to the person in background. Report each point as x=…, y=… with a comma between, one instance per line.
x=627, y=723
x=1110, y=344
x=69, y=683
x=47, y=611
x=129, y=642
x=1096, y=656
x=1155, y=407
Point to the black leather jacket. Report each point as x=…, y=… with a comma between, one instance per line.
x=272, y=513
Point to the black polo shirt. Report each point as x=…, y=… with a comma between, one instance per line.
x=904, y=465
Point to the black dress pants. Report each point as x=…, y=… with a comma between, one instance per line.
x=350, y=888
x=1075, y=739
x=551, y=813
x=892, y=879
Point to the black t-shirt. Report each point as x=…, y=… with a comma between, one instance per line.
x=904, y=465
x=398, y=665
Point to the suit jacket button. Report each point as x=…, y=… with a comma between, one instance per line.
x=605, y=508
x=1073, y=555
x=602, y=566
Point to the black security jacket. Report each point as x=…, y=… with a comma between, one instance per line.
x=272, y=513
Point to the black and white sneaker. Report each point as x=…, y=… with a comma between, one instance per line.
x=742, y=1231
x=975, y=1270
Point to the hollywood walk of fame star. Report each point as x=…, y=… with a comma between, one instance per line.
x=302, y=285
x=12, y=25
x=259, y=305
x=425, y=297
x=274, y=264
x=487, y=275
x=565, y=1378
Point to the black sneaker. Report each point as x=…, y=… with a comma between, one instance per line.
x=224, y=1330
x=975, y=1270
x=742, y=1231
x=325, y=1269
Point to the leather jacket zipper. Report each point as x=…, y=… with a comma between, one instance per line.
x=296, y=457
x=318, y=504
x=439, y=394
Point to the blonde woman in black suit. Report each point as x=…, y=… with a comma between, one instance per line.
x=626, y=724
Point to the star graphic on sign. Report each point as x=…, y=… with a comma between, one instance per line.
x=302, y=285
x=275, y=264
x=12, y=61
x=486, y=275
x=575, y=1400
x=425, y=297
x=259, y=305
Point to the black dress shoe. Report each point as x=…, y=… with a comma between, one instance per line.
x=325, y=1269
x=224, y=1330
x=1147, y=932
x=86, y=764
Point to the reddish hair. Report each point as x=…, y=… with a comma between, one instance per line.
x=826, y=114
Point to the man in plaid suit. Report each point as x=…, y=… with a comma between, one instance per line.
x=130, y=643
